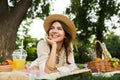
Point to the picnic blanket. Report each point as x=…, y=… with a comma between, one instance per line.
x=37, y=75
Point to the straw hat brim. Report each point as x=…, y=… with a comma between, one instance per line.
x=62, y=18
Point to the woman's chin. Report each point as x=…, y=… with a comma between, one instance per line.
x=56, y=40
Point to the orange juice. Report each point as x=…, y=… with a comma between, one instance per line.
x=19, y=64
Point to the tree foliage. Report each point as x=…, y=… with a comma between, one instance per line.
x=89, y=17
x=12, y=13
x=29, y=43
x=30, y=47
x=112, y=42
x=38, y=8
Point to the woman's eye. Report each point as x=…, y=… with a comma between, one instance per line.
x=60, y=29
x=51, y=28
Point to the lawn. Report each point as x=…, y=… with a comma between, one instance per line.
x=90, y=77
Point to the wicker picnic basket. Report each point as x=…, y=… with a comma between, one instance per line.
x=5, y=68
x=102, y=65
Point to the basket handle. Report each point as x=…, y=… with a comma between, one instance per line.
x=104, y=52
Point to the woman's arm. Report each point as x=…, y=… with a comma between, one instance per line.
x=51, y=62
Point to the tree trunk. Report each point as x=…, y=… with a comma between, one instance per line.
x=101, y=26
x=9, y=24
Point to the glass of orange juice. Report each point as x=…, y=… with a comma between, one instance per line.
x=19, y=59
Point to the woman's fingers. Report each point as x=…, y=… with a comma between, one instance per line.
x=49, y=40
x=34, y=68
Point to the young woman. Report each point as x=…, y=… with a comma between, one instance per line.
x=55, y=53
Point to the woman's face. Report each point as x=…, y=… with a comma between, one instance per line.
x=56, y=32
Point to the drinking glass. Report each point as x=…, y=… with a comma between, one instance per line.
x=19, y=59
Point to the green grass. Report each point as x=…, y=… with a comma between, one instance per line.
x=89, y=76
x=80, y=66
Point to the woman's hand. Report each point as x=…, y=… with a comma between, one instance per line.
x=49, y=40
x=34, y=68
x=77, y=69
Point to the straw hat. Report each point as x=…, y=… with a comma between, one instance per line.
x=62, y=18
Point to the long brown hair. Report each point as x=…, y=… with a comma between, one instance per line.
x=67, y=41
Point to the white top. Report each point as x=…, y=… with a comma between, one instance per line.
x=43, y=51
